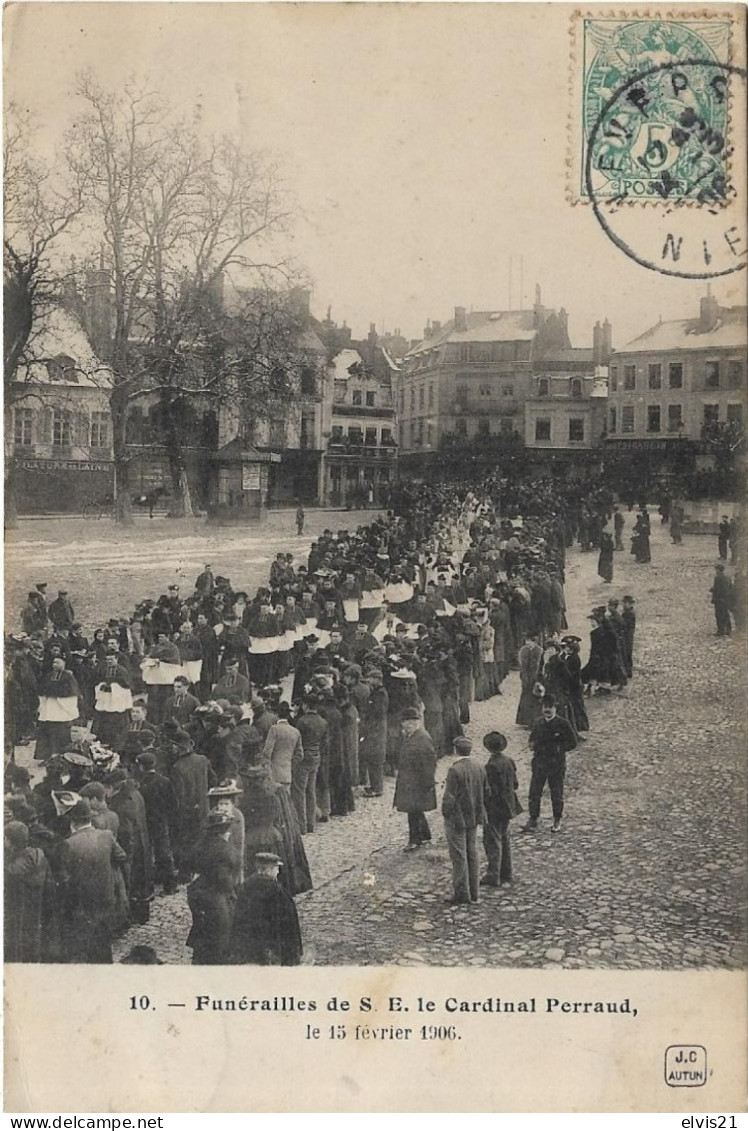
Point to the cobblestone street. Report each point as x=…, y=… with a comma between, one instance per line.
x=649, y=868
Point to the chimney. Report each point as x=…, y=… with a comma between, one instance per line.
x=427, y=329
x=372, y=335
x=563, y=318
x=538, y=311
x=460, y=319
x=435, y=327
x=597, y=344
x=607, y=343
x=98, y=308
x=709, y=314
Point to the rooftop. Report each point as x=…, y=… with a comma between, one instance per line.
x=728, y=332
x=484, y=326
x=61, y=354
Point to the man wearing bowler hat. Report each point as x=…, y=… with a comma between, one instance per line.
x=415, y=791
x=266, y=929
x=550, y=738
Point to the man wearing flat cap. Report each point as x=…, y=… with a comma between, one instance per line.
x=415, y=791
x=266, y=929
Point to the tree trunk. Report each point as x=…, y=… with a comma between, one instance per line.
x=182, y=505
x=11, y=502
x=123, y=502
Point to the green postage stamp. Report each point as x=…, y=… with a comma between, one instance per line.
x=651, y=112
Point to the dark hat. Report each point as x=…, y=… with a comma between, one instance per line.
x=74, y=759
x=229, y=789
x=81, y=811
x=41, y=585
x=267, y=859
x=94, y=789
x=495, y=741
x=410, y=713
x=629, y=598
x=571, y=639
x=142, y=955
x=147, y=760
x=549, y=700
x=462, y=745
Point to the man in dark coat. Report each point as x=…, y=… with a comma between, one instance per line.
x=61, y=612
x=232, y=685
x=192, y=776
x=628, y=619
x=502, y=805
x=30, y=923
x=550, y=738
x=180, y=705
x=723, y=539
x=462, y=809
x=721, y=594
x=212, y=895
x=125, y=799
x=313, y=730
x=266, y=929
x=161, y=816
x=374, y=745
x=88, y=861
x=205, y=634
x=415, y=791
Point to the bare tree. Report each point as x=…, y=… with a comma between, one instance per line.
x=179, y=215
x=39, y=208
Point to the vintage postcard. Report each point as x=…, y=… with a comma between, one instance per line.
x=375, y=558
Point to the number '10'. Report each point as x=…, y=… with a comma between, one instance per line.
x=142, y=1002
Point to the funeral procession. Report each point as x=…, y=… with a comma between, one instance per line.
x=346, y=626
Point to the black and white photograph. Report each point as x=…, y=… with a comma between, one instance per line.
x=375, y=528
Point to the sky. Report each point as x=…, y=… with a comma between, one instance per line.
x=426, y=145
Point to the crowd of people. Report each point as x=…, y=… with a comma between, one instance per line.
x=200, y=740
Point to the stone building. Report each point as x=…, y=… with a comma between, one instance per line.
x=674, y=381
x=58, y=435
x=511, y=375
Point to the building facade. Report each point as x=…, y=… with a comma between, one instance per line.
x=510, y=375
x=58, y=434
x=677, y=380
x=361, y=451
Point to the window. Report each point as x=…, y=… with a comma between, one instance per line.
x=306, y=433
x=576, y=429
x=735, y=414
x=420, y=432
x=654, y=380
x=576, y=389
x=543, y=387
x=485, y=390
x=542, y=429
x=629, y=377
x=421, y=397
x=627, y=418
x=412, y=433
x=429, y=435
x=22, y=425
x=278, y=432
x=711, y=414
x=675, y=374
x=461, y=396
x=461, y=427
x=734, y=374
x=370, y=399
x=62, y=431
x=99, y=429
x=412, y=400
x=614, y=378
x=653, y=418
x=612, y=421
x=308, y=382
x=674, y=418
x=507, y=425
x=484, y=426
x=402, y=400
x=386, y=436
x=355, y=435
x=370, y=437
x=431, y=396
x=463, y=354
x=507, y=391
x=356, y=397
x=712, y=375
x=336, y=434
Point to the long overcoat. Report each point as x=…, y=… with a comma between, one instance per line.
x=415, y=790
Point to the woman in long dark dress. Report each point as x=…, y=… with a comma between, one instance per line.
x=573, y=666
x=605, y=558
